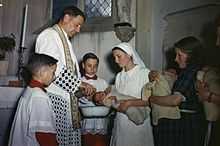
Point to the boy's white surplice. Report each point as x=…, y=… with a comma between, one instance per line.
x=34, y=114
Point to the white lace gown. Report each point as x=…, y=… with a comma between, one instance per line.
x=125, y=132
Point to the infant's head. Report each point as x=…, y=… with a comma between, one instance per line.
x=99, y=97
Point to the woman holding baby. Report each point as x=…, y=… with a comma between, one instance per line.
x=189, y=129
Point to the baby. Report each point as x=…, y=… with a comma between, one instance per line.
x=161, y=84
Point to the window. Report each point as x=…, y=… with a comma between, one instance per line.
x=101, y=14
x=98, y=8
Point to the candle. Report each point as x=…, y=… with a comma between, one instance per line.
x=1, y=3
x=24, y=25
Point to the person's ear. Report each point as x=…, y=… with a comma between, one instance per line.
x=41, y=72
x=44, y=70
x=66, y=18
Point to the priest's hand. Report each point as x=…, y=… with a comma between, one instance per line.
x=87, y=89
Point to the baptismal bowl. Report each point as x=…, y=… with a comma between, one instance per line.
x=95, y=111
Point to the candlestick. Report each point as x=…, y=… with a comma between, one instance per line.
x=24, y=26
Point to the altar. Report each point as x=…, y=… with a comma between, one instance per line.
x=9, y=97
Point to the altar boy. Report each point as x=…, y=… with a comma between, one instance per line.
x=34, y=122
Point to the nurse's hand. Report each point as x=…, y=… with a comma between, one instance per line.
x=124, y=105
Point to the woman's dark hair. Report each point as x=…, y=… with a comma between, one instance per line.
x=35, y=62
x=90, y=56
x=117, y=48
x=192, y=47
x=73, y=11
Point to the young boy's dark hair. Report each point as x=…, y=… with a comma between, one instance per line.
x=35, y=62
x=90, y=56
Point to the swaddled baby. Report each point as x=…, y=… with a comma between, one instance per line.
x=112, y=98
x=161, y=86
x=210, y=77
